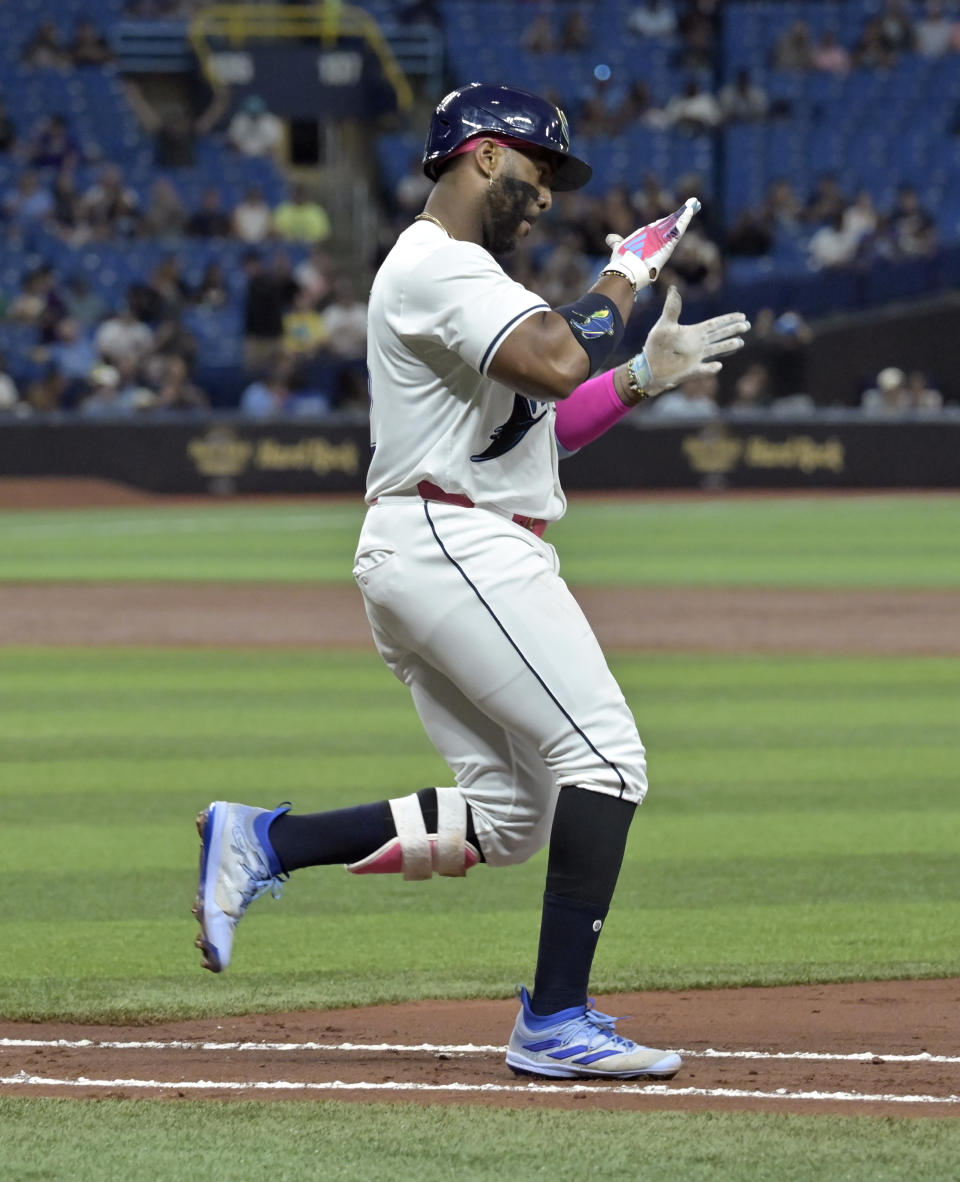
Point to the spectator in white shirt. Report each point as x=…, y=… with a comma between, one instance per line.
x=889, y=396
x=694, y=111
x=832, y=246
x=255, y=131
x=935, y=32
x=123, y=337
x=253, y=217
x=9, y=397
x=346, y=321
x=655, y=18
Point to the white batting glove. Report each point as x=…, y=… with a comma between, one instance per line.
x=673, y=352
x=641, y=257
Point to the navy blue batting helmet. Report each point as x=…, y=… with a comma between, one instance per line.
x=503, y=112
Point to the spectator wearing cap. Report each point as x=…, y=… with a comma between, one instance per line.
x=102, y=398
x=256, y=131
x=889, y=395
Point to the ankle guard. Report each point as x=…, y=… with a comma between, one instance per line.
x=417, y=854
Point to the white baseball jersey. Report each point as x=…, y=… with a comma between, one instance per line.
x=467, y=606
x=439, y=310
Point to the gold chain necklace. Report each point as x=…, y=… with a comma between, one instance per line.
x=428, y=217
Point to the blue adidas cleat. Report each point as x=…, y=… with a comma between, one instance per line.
x=581, y=1043
x=237, y=865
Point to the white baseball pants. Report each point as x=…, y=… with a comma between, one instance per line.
x=468, y=610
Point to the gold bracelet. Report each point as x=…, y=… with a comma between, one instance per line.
x=619, y=275
x=638, y=377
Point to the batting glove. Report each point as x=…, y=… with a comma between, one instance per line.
x=641, y=257
x=674, y=352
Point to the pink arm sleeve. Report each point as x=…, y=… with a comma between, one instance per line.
x=589, y=411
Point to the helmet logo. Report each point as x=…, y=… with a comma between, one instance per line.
x=564, y=128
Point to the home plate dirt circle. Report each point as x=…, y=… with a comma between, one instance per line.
x=887, y=1048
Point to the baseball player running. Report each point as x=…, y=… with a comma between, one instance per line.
x=478, y=389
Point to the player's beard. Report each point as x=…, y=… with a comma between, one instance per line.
x=507, y=202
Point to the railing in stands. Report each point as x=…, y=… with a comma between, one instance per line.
x=326, y=21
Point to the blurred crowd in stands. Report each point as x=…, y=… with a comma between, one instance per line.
x=303, y=318
x=303, y=322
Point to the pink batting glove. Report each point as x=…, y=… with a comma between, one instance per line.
x=640, y=257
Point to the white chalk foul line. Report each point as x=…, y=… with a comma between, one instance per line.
x=572, y=1086
x=446, y=1049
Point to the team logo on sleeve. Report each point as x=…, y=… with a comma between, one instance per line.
x=598, y=324
x=509, y=434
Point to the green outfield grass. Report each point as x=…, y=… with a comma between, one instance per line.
x=115, y=1141
x=802, y=825
x=877, y=541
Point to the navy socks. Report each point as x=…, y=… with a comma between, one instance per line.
x=587, y=842
x=323, y=839
x=346, y=835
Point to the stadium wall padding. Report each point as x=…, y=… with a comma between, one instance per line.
x=225, y=456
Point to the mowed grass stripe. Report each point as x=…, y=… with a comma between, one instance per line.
x=784, y=838
x=115, y=1140
x=847, y=541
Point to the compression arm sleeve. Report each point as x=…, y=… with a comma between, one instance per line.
x=591, y=409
